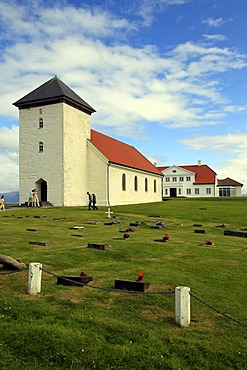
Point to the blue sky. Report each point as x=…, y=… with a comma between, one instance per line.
x=166, y=76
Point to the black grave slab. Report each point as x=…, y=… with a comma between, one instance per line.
x=156, y=227
x=78, y=235
x=42, y=244
x=73, y=280
x=98, y=246
x=31, y=230
x=199, y=231
x=131, y=285
x=235, y=233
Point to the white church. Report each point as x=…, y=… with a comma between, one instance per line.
x=63, y=158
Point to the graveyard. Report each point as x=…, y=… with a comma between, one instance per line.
x=103, y=317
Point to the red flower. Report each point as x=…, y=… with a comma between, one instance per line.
x=140, y=274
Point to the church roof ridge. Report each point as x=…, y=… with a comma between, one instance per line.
x=53, y=91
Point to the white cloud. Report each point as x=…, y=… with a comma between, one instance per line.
x=9, y=138
x=215, y=37
x=216, y=22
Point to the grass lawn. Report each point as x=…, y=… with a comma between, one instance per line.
x=68, y=327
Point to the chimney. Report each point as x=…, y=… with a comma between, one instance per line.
x=155, y=164
x=199, y=162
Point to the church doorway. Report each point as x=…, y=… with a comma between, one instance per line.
x=41, y=186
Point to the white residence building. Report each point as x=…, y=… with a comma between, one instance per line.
x=195, y=181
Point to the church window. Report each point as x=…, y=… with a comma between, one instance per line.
x=124, y=182
x=41, y=146
x=136, y=183
x=40, y=111
x=146, y=184
x=41, y=123
x=155, y=186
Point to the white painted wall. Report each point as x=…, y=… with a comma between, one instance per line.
x=48, y=164
x=76, y=131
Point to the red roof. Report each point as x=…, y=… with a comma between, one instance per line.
x=120, y=153
x=203, y=173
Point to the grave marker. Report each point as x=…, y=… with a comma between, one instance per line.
x=73, y=280
x=131, y=285
x=109, y=213
x=98, y=246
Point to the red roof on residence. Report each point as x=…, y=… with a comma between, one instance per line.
x=203, y=173
x=122, y=154
x=229, y=182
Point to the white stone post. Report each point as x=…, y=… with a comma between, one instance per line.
x=182, y=305
x=34, y=278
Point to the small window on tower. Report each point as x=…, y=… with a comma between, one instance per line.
x=40, y=111
x=41, y=123
x=41, y=146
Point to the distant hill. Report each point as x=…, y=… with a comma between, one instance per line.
x=11, y=197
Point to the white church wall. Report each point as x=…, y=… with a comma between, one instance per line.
x=97, y=175
x=76, y=131
x=33, y=164
x=131, y=196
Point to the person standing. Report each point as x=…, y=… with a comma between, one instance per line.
x=35, y=198
x=94, y=201
x=2, y=206
x=30, y=199
x=90, y=199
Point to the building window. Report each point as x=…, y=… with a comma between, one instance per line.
x=179, y=191
x=167, y=179
x=208, y=190
x=136, y=183
x=124, y=182
x=41, y=146
x=188, y=178
x=197, y=191
x=40, y=111
x=188, y=191
x=146, y=184
x=41, y=123
x=155, y=186
x=174, y=179
x=225, y=192
x=181, y=178
x=166, y=191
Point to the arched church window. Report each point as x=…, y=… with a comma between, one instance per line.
x=155, y=188
x=146, y=184
x=136, y=183
x=124, y=182
x=41, y=146
x=41, y=123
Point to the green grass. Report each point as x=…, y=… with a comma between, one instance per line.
x=88, y=328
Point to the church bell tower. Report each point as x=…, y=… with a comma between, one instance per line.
x=54, y=126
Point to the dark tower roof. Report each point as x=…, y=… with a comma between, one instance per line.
x=52, y=92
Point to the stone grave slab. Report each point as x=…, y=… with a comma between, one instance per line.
x=31, y=230
x=131, y=285
x=42, y=244
x=199, y=231
x=235, y=233
x=98, y=246
x=73, y=280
